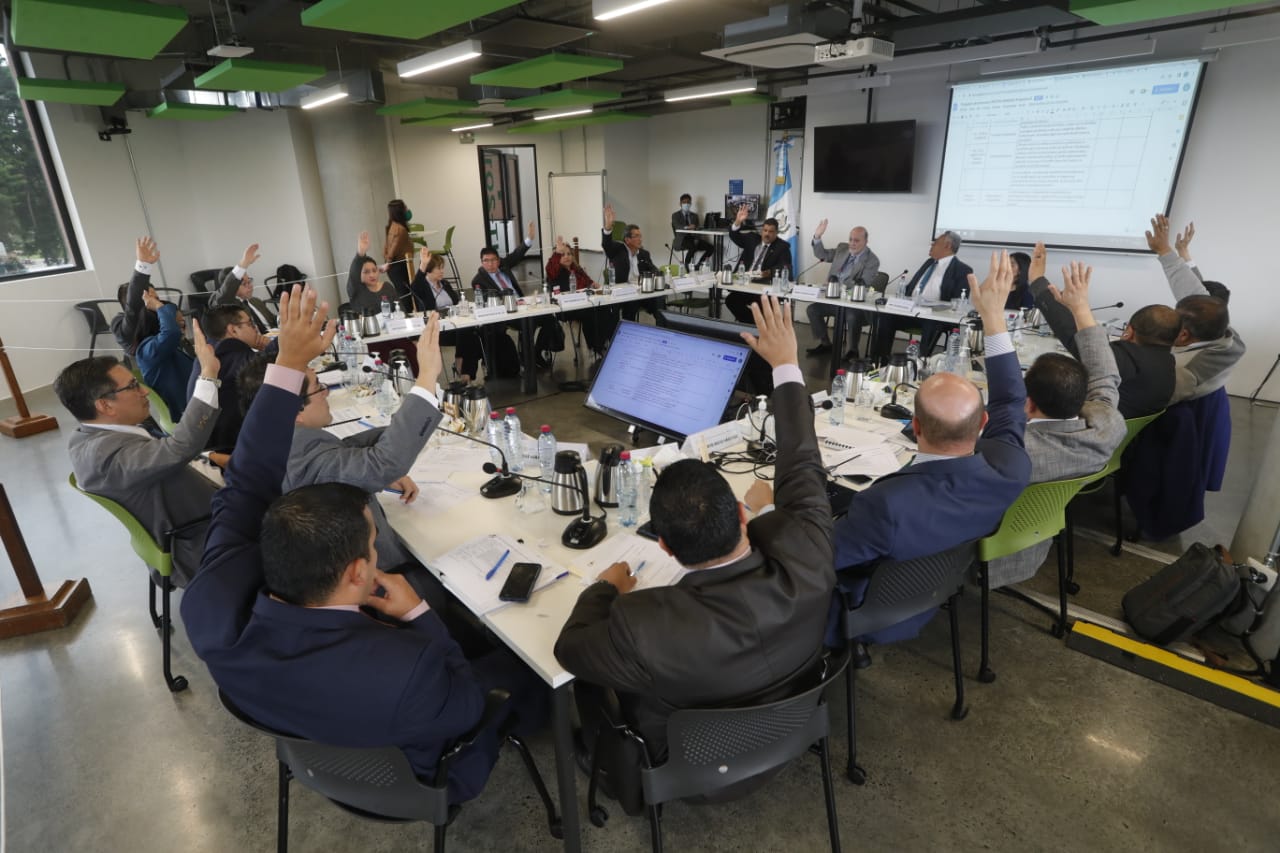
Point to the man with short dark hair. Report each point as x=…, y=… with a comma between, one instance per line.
x=494, y=278
x=114, y=456
x=238, y=342
x=971, y=465
x=762, y=254
x=135, y=323
x=941, y=278
x=1143, y=353
x=747, y=617
x=851, y=262
x=630, y=259
x=235, y=287
x=283, y=608
x=690, y=244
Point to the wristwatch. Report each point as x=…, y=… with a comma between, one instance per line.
x=217, y=383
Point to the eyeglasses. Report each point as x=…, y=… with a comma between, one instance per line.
x=132, y=386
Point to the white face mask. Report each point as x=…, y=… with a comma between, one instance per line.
x=686, y=207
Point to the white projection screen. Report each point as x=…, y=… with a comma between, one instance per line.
x=1079, y=159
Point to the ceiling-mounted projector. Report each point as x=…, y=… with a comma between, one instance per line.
x=862, y=51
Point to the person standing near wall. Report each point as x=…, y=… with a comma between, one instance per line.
x=397, y=245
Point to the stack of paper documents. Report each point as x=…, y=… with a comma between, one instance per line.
x=651, y=566
x=464, y=570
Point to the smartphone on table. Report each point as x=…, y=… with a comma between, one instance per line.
x=520, y=582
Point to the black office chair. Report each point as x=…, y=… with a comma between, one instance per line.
x=171, y=294
x=899, y=590
x=714, y=749
x=378, y=783
x=199, y=303
x=204, y=281
x=97, y=320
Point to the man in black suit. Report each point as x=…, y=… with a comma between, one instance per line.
x=941, y=278
x=238, y=343
x=494, y=278
x=691, y=244
x=748, y=616
x=761, y=254
x=629, y=259
x=1144, y=353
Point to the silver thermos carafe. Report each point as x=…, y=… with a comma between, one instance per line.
x=569, y=483
x=606, y=491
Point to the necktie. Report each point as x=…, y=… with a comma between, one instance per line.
x=502, y=281
x=846, y=266
x=924, y=279
x=759, y=259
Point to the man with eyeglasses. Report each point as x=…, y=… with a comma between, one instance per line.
x=237, y=342
x=235, y=287
x=114, y=456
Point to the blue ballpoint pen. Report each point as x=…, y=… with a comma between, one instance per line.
x=498, y=565
x=638, y=568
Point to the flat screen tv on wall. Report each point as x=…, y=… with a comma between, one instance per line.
x=864, y=158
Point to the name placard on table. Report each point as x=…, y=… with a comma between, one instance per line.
x=808, y=291
x=902, y=303
x=490, y=311
x=405, y=324
x=683, y=283
x=624, y=290
x=578, y=297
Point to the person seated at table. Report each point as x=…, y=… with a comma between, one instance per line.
x=366, y=289
x=281, y=608
x=762, y=254
x=971, y=465
x=135, y=323
x=851, y=262
x=236, y=341
x=495, y=277
x=628, y=259
x=690, y=244
x=166, y=359
x=564, y=272
x=235, y=287
x=747, y=617
x=1143, y=353
x=1073, y=423
x=432, y=292
x=112, y=455
x=941, y=278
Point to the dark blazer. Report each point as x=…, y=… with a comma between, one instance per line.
x=1147, y=372
x=621, y=259
x=425, y=297
x=232, y=355
x=776, y=255
x=954, y=280
x=259, y=312
x=135, y=323
x=680, y=219
x=724, y=633
x=334, y=676
x=482, y=282
x=926, y=508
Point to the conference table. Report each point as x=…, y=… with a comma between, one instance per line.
x=716, y=236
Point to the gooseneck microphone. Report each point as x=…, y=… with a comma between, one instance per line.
x=583, y=532
x=884, y=297
x=504, y=484
x=1105, y=307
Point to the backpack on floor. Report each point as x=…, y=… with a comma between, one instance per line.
x=506, y=358
x=1184, y=597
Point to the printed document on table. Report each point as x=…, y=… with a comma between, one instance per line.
x=438, y=498
x=839, y=444
x=659, y=568
x=463, y=570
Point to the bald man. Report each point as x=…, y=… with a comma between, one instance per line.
x=851, y=263
x=971, y=465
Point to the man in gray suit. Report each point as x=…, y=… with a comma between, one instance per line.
x=850, y=262
x=113, y=456
x=373, y=460
x=235, y=287
x=1074, y=424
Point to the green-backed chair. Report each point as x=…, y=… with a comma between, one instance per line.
x=1039, y=513
x=446, y=252
x=159, y=562
x=686, y=301
x=159, y=408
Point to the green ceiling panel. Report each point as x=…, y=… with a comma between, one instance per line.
x=564, y=98
x=425, y=108
x=448, y=121
x=546, y=70
x=402, y=19
x=190, y=112
x=70, y=91
x=558, y=124
x=1113, y=12
x=127, y=28
x=254, y=75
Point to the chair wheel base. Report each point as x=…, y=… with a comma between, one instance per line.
x=959, y=714
x=557, y=829
x=1116, y=549
x=177, y=684
x=1072, y=587
x=857, y=775
x=986, y=675
x=599, y=817
x=1058, y=630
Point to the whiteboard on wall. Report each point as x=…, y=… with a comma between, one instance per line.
x=577, y=207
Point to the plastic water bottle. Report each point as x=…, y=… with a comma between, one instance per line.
x=627, y=514
x=386, y=312
x=546, y=455
x=376, y=377
x=386, y=400
x=493, y=434
x=514, y=440
x=839, y=389
x=644, y=487
x=913, y=354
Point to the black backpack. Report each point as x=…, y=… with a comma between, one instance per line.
x=1182, y=598
x=505, y=356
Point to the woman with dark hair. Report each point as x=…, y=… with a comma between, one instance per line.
x=1020, y=297
x=431, y=292
x=397, y=245
x=365, y=288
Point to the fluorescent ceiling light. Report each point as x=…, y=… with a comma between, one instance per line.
x=711, y=90
x=1055, y=57
x=973, y=53
x=324, y=96
x=562, y=114
x=607, y=10
x=471, y=127
x=836, y=85
x=442, y=58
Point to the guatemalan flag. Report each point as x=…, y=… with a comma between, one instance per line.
x=782, y=205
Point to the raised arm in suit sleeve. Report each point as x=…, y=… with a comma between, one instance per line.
x=1006, y=392
x=596, y=643
x=1057, y=315
x=745, y=241
x=125, y=327
x=166, y=342
x=516, y=256
x=800, y=494
x=390, y=457
x=824, y=254
x=353, y=276
x=1183, y=279
x=1100, y=364
x=228, y=284
x=144, y=461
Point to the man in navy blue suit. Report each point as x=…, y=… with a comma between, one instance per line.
x=958, y=486
x=283, y=608
x=941, y=278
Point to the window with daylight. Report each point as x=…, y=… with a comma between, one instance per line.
x=36, y=237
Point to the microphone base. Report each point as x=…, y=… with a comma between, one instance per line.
x=583, y=533
x=501, y=486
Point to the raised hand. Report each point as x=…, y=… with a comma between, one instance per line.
x=429, y=359
x=145, y=250
x=250, y=255
x=1039, y=260
x=990, y=296
x=1182, y=241
x=1075, y=293
x=362, y=243
x=530, y=231
x=741, y=216
x=1158, y=236
x=777, y=341
x=608, y=217
x=820, y=230
x=304, y=332
x=209, y=364
x=759, y=496
x=150, y=300
x=423, y=257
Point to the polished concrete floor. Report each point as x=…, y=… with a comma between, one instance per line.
x=1061, y=751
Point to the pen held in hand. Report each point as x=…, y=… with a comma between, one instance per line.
x=639, y=567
